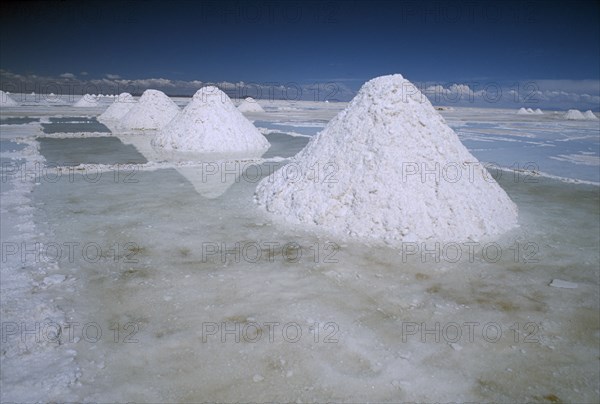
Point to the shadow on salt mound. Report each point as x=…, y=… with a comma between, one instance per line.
x=362, y=176
x=250, y=105
x=152, y=112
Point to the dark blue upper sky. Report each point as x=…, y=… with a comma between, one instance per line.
x=303, y=41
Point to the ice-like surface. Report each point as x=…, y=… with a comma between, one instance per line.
x=153, y=111
x=187, y=317
x=250, y=105
x=210, y=123
x=363, y=175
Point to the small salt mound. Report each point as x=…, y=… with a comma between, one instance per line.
x=86, y=101
x=210, y=123
x=590, y=115
x=153, y=111
x=388, y=167
x=6, y=100
x=250, y=105
x=574, y=115
x=538, y=112
x=522, y=111
x=530, y=111
x=118, y=109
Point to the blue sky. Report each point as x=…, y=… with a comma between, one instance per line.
x=303, y=42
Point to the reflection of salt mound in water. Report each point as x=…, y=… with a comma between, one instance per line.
x=365, y=175
x=589, y=115
x=6, y=100
x=118, y=109
x=250, y=105
x=153, y=111
x=210, y=123
x=87, y=101
x=574, y=115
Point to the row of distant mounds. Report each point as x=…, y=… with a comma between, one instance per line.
x=210, y=123
x=572, y=114
x=529, y=111
x=576, y=115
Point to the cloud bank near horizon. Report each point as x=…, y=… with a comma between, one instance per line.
x=555, y=94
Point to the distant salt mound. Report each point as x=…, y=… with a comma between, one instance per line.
x=529, y=111
x=574, y=115
x=118, y=109
x=6, y=100
x=250, y=105
x=87, y=101
x=152, y=112
x=589, y=115
x=366, y=175
x=210, y=123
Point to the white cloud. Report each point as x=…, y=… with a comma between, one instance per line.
x=67, y=76
x=113, y=76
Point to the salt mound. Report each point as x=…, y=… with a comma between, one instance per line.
x=250, y=105
x=118, y=109
x=388, y=167
x=86, y=101
x=210, y=123
x=538, y=112
x=574, y=115
x=522, y=111
x=590, y=115
x=153, y=111
x=6, y=100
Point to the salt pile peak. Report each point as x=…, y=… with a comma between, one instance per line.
x=6, y=100
x=389, y=168
x=249, y=104
x=152, y=112
x=118, y=109
x=210, y=123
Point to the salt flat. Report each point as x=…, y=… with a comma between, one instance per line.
x=172, y=285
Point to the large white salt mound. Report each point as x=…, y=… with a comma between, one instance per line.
x=590, y=115
x=87, y=101
x=6, y=100
x=118, y=109
x=388, y=167
x=210, y=123
x=153, y=111
x=574, y=115
x=250, y=105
